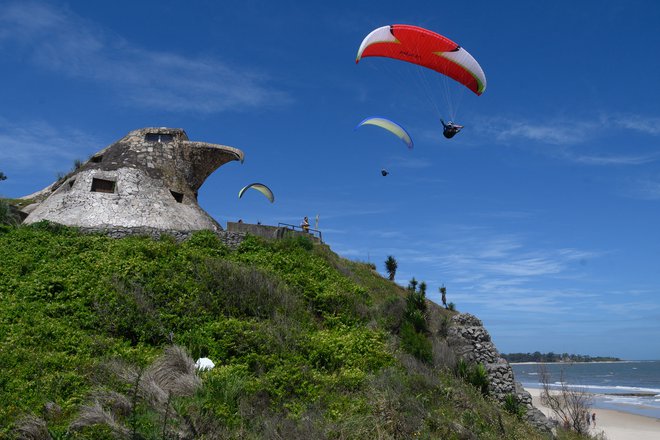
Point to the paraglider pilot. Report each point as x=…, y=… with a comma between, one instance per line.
x=384, y=172
x=450, y=129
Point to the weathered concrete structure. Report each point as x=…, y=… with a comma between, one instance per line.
x=270, y=232
x=148, y=179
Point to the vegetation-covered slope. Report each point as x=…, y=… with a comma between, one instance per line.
x=306, y=344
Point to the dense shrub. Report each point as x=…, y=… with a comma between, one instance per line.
x=414, y=329
x=474, y=374
x=9, y=215
x=416, y=343
x=514, y=406
x=306, y=344
x=444, y=357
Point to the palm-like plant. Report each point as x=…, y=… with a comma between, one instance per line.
x=390, y=267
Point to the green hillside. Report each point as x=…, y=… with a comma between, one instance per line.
x=97, y=337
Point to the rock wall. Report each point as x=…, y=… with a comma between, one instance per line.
x=230, y=239
x=471, y=341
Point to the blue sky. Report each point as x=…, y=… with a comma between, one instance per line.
x=541, y=217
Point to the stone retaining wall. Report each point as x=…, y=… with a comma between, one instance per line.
x=270, y=232
x=230, y=239
x=471, y=341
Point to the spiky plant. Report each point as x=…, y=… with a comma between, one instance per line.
x=391, y=266
x=32, y=428
x=170, y=376
x=96, y=414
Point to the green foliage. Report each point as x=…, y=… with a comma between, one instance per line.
x=8, y=214
x=347, y=348
x=479, y=378
x=462, y=369
x=416, y=301
x=475, y=375
x=445, y=323
x=514, y=406
x=295, y=242
x=390, y=267
x=416, y=343
x=414, y=330
x=331, y=296
x=306, y=344
x=207, y=241
x=416, y=318
x=4, y=212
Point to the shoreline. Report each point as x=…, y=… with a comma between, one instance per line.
x=614, y=424
x=576, y=362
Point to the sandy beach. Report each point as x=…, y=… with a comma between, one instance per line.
x=615, y=425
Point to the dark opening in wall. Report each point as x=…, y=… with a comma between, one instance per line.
x=71, y=182
x=104, y=186
x=177, y=196
x=158, y=137
x=96, y=159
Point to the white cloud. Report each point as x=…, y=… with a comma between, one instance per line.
x=562, y=137
x=38, y=146
x=611, y=159
x=493, y=274
x=645, y=189
x=490, y=270
x=387, y=234
x=509, y=215
x=351, y=210
x=60, y=41
x=409, y=162
x=643, y=124
x=554, y=132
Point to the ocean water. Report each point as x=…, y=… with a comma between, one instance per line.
x=628, y=386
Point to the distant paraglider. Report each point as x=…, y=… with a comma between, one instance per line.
x=384, y=172
x=390, y=126
x=263, y=189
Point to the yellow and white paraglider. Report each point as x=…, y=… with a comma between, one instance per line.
x=263, y=189
x=390, y=126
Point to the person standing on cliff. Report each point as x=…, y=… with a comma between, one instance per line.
x=305, y=224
